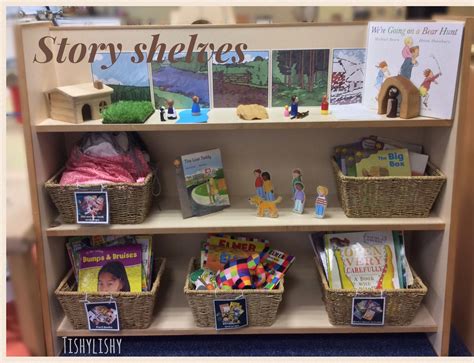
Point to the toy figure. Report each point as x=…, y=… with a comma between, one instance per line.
x=425, y=86
x=171, y=110
x=382, y=75
x=321, y=202
x=297, y=177
x=162, y=114
x=259, y=183
x=294, y=106
x=300, y=115
x=410, y=62
x=392, y=103
x=265, y=208
x=325, y=106
x=286, y=112
x=299, y=198
x=267, y=186
x=196, y=109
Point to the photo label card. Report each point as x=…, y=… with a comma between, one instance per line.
x=92, y=207
x=230, y=314
x=368, y=311
x=102, y=316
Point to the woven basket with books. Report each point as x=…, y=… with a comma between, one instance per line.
x=388, y=196
x=135, y=308
x=401, y=305
x=129, y=203
x=262, y=304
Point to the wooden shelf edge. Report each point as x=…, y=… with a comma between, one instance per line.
x=240, y=220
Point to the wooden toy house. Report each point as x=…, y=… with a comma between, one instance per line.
x=79, y=102
x=410, y=96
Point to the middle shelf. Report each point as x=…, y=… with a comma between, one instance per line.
x=240, y=220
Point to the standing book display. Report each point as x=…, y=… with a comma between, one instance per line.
x=246, y=145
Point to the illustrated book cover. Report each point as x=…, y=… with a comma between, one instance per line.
x=427, y=53
x=201, y=184
x=394, y=162
x=111, y=269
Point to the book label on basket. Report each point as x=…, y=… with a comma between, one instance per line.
x=368, y=310
x=111, y=263
x=231, y=314
x=363, y=260
x=92, y=207
x=102, y=316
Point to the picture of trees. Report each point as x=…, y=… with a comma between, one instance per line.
x=129, y=80
x=241, y=83
x=303, y=73
x=180, y=81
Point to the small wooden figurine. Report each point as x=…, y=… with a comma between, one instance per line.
x=265, y=207
x=259, y=183
x=162, y=114
x=392, y=103
x=195, y=109
x=286, y=111
x=325, y=106
x=297, y=177
x=410, y=96
x=294, y=106
x=171, y=110
x=268, y=186
x=300, y=115
x=321, y=202
x=299, y=198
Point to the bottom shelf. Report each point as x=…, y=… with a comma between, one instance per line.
x=301, y=311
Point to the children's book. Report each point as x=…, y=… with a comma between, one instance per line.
x=364, y=260
x=111, y=269
x=394, y=162
x=222, y=249
x=317, y=242
x=201, y=184
x=276, y=264
x=426, y=53
x=74, y=245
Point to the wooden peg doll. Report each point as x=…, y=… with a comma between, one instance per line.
x=321, y=202
x=195, y=109
x=259, y=183
x=299, y=198
x=392, y=103
x=268, y=186
x=171, y=110
x=286, y=111
x=325, y=106
x=294, y=106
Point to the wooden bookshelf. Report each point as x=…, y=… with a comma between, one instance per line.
x=277, y=144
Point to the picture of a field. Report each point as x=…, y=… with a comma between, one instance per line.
x=129, y=80
x=303, y=73
x=244, y=83
x=180, y=81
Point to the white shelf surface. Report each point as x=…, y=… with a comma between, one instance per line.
x=301, y=311
x=227, y=119
x=245, y=220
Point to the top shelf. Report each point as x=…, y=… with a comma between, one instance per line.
x=227, y=119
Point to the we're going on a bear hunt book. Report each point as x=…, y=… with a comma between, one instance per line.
x=201, y=184
x=427, y=53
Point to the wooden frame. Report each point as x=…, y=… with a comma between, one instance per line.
x=48, y=142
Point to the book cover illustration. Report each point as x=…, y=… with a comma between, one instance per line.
x=230, y=314
x=368, y=311
x=102, y=316
x=364, y=260
x=299, y=72
x=111, y=269
x=348, y=74
x=425, y=53
x=222, y=249
x=201, y=184
x=92, y=207
x=394, y=162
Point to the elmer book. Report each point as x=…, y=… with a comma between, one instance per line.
x=111, y=269
x=201, y=184
x=364, y=260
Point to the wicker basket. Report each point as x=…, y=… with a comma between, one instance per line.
x=401, y=305
x=129, y=203
x=135, y=308
x=395, y=196
x=262, y=305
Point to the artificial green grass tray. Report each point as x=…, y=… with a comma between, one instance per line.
x=127, y=112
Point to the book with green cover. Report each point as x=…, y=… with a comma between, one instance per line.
x=394, y=162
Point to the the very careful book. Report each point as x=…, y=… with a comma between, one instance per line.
x=201, y=184
x=364, y=260
x=111, y=269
